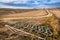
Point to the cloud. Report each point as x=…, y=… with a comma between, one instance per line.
x=29, y=3
x=14, y=1
x=26, y=1
x=50, y=1
x=20, y=1
x=13, y=7
x=6, y=1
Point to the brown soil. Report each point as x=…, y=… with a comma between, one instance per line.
x=11, y=31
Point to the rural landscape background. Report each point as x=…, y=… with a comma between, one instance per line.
x=29, y=19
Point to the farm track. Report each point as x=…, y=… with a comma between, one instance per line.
x=28, y=15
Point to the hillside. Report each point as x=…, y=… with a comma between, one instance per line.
x=29, y=24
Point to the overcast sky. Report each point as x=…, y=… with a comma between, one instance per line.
x=28, y=3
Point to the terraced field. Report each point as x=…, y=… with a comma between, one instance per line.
x=16, y=24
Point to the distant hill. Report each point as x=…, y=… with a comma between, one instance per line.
x=7, y=10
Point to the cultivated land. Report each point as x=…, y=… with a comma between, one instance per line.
x=29, y=24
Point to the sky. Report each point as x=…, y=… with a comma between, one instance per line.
x=29, y=3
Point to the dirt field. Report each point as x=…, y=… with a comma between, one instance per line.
x=21, y=24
